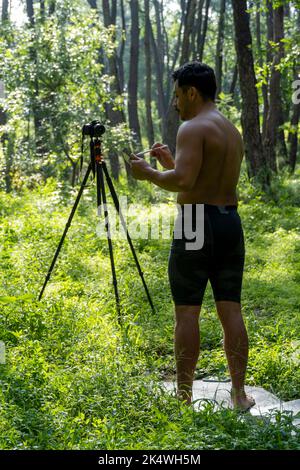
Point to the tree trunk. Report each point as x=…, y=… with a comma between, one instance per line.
x=150, y=129
x=51, y=7
x=160, y=40
x=264, y=88
x=30, y=12
x=270, y=39
x=177, y=48
x=287, y=10
x=122, y=47
x=133, y=72
x=275, y=115
x=7, y=139
x=199, y=28
x=43, y=12
x=172, y=120
x=234, y=81
x=115, y=116
x=220, y=43
x=203, y=35
x=250, y=112
x=4, y=14
x=188, y=31
x=40, y=144
x=93, y=4
x=161, y=104
x=294, y=135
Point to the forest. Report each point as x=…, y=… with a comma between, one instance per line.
x=76, y=373
x=71, y=62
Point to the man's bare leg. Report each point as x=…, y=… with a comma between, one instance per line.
x=187, y=347
x=236, y=349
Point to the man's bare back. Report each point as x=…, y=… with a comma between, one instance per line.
x=222, y=154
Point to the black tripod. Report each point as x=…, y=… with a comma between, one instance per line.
x=98, y=166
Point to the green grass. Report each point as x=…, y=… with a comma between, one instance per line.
x=75, y=379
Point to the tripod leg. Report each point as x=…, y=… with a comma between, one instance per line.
x=101, y=187
x=66, y=229
x=117, y=206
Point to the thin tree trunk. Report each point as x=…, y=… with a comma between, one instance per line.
x=122, y=46
x=294, y=135
x=274, y=120
x=159, y=35
x=115, y=116
x=4, y=14
x=7, y=139
x=270, y=39
x=93, y=4
x=264, y=88
x=179, y=40
x=287, y=10
x=203, y=35
x=161, y=105
x=220, y=44
x=250, y=112
x=168, y=57
x=279, y=37
x=52, y=6
x=172, y=120
x=188, y=31
x=148, y=102
x=199, y=28
x=133, y=72
x=233, y=81
x=35, y=91
x=43, y=12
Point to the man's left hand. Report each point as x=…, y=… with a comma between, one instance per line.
x=139, y=167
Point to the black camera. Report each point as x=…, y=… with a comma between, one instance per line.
x=93, y=129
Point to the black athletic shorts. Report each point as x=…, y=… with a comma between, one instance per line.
x=220, y=260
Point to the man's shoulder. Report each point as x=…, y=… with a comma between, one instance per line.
x=194, y=127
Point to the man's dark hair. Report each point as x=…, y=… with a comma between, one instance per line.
x=199, y=75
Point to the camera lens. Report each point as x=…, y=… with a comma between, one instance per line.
x=99, y=130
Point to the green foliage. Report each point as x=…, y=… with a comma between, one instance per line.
x=75, y=379
x=54, y=83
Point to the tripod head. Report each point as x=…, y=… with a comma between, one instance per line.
x=93, y=129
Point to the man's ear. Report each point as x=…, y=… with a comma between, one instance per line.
x=192, y=92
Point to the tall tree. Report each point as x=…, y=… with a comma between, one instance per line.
x=273, y=134
x=7, y=139
x=35, y=99
x=4, y=13
x=133, y=71
x=261, y=64
x=250, y=112
x=269, y=57
x=220, y=44
x=202, y=38
x=294, y=133
x=172, y=119
x=122, y=41
x=198, y=28
x=115, y=115
x=52, y=6
x=148, y=101
x=161, y=102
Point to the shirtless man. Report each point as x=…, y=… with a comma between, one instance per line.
x=206, y=168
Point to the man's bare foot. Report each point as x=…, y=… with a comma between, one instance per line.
x=241, y=401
